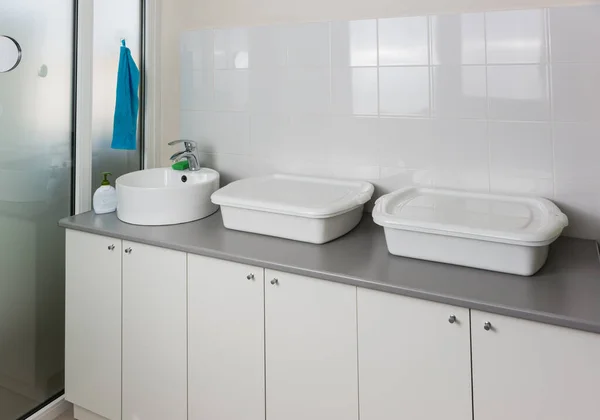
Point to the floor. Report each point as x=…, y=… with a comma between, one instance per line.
x=67, y=415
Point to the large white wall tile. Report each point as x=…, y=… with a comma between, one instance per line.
x=308, y=90
x=518, y=93
x=581, y=207
x=354, y=91
x=306, y=166
x=354, y=171
x=234, y=167
x=516, y=37
x=309, y=136
x=355, y=140
x=188, y=125
x=459, y=92
x=232, y=90
x=458, y=39
x=461, y=150
x=576, y=92
x=217, y=132
x=404, y=91
x=268, y=90
x=577, y=181
x=268, y=134
x=521, y=158
x=392, y=178
x=198, y=46
x=354, y=43
x=403, y=41
x=575, y=34
x=577, y=150
x=197, y=89
x=231, y=48
x=267, y=46
x=406, y=143
x=308, y=45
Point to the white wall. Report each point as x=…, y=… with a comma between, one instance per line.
x=191, y=14
x=507, y=139
x=184, y=15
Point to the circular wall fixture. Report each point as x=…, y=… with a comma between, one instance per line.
x=10, y=54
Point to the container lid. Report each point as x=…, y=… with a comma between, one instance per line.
x=295, y=195
x=496, y=218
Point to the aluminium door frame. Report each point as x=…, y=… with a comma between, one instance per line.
x=149, y=120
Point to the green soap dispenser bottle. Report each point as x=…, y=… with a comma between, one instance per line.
x=105, y=197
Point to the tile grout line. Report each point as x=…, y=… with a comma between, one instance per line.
x=330, y=52
x=378, y=68
x=429, y=66
x=549, y=75
x=432, y=89
x=487, y=103
x=378, y=143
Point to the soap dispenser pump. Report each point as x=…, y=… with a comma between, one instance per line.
x=105, y=197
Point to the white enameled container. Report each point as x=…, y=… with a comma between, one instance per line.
x=503, y=233
x=301, y=208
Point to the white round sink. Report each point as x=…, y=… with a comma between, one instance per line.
x=164, y=196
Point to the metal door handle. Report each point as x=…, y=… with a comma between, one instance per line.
x=274, y=282
x=452, y=319
x=111, y=247
x=487, y=326
x=128, y=251
x=250, y=276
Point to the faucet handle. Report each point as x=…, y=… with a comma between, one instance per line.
x=190, y=145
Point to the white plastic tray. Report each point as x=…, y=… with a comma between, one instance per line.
x=495, y=232
x=301, y=208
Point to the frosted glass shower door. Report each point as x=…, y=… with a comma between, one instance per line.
x=35, y=192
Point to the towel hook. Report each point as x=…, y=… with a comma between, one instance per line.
x=123, y=42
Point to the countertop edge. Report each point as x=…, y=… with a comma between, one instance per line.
x=542, y=317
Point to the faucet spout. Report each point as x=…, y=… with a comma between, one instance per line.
x=176, y=156
x=189, y=153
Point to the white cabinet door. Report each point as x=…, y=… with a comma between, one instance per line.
x=524, y=370
x=225, y=340
x=414, y=358
x=154, y=333
x=93, y=323
x=311, y=359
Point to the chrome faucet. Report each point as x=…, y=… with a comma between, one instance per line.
x=189, y=153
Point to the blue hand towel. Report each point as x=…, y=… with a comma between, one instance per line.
x=127, y=105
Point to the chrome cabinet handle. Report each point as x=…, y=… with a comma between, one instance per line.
x=111, y=247
x=274, y=282
x=452, y=319
x=128, y=251
x=487, y=326
x=250, y=276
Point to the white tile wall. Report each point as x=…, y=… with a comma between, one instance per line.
x=354, y=43
x=403, y=41
x=501, y=101
x=458, y=39
x=516, y=37
x=518, y=93
x=459, y=92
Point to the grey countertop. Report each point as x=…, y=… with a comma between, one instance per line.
x=565, y=292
